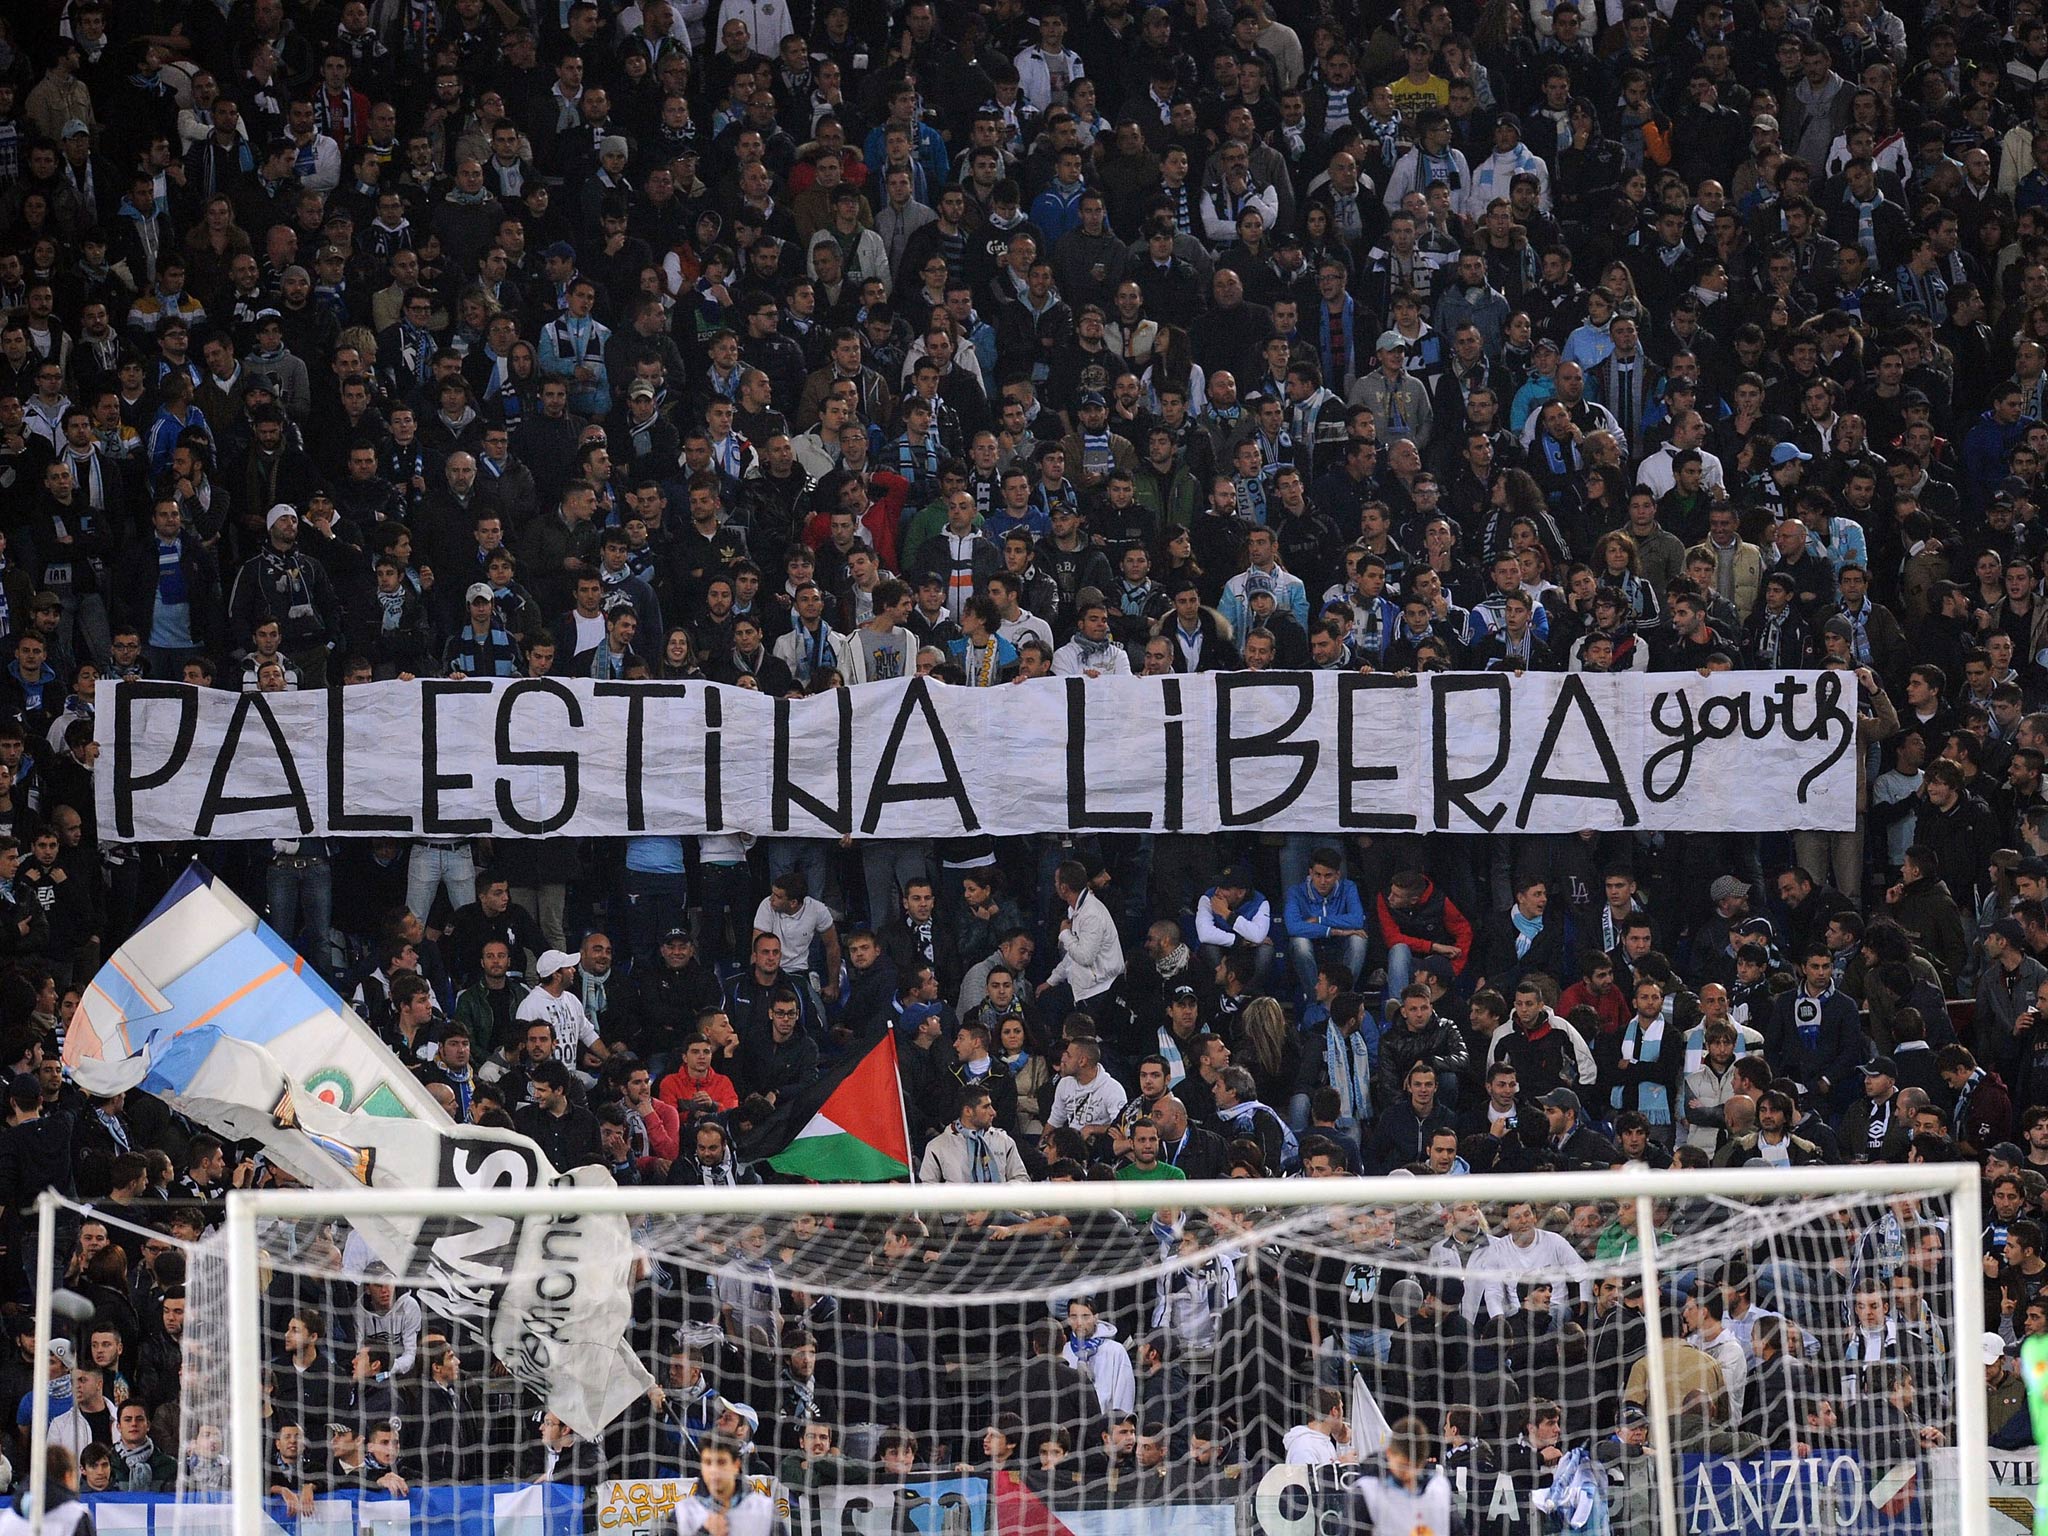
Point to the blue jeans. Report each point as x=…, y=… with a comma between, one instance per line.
x=1307, y=954
x=432, y=869
x=888, y=865
x=654, y=904
x=169, y=665
x=1296, y=848
x=1400, y=972
x=804, y=854
x=301, y=905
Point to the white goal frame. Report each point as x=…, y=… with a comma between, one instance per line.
x=1959, y=1181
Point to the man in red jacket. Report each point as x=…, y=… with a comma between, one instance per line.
x=1416, y=920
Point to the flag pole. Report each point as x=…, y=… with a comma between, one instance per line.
x=902, y=1109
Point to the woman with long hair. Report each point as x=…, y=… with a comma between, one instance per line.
x=1024, y=1054
x=1270, y=1051
x=1176, y=559
x=1620, y=281
x=1517, y=498
x=1173, y=362
x=1320, y=240
x=677, y=658
x=1619, y=565
x=213, y=245
x=1989, y=569
x=1604, y=502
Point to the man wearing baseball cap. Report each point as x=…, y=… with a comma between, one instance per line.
x=553, y=1001
x=1573, y=1143
x=1398, y=402
x=483, y=647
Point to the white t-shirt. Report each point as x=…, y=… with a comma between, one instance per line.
x=1096, y=1103
x=1547, y=1253
x=798, y=930
x=565, y=1016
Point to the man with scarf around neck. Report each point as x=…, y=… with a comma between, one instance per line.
x=613, y=657
x=453, y=1068
x=748, y=663
x=810, y=648
x=1349, y=1039
x=168, y=588
x=1983, y=1114
x=269, y=359
x=484, y=648
x=1646, y=1061
x=1092, y=651
x=283, y=584
x=973, y=1149
x=1814, y=1035
x=139, y=1466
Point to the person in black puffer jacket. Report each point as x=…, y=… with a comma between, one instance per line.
x=1420, y=1034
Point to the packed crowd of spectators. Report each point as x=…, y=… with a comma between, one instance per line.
x=801, y=348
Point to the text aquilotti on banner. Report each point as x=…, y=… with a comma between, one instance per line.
x=1328, y=752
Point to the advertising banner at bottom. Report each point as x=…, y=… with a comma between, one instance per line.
x=932, y=1507
x=1832, y=1491
x=1152, y=1520
x=482, y=1509
x=1835, y=1492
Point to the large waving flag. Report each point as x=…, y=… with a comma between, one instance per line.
x=848, y=1127
x=207, y=1008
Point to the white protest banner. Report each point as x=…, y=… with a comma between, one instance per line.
x=1209, y=752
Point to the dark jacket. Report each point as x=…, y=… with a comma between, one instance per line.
x=1834, y=1052
x=1586, y=1148
x=1983, y=1115
x=291, y=588
x=1962, y=838
x=1440, y=1043
x=1550, y=952
x=134, y=584
x=1201, y=1154
x=568, y=1139
x=1399, y=1136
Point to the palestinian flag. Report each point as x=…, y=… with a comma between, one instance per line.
x=1020, y=1512
x=846, y=1128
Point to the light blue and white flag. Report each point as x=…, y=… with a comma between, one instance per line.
x=208, y=1009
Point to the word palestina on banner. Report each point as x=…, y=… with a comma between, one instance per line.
x=1271, y=751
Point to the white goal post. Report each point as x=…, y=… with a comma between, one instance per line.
x=1956, y=1183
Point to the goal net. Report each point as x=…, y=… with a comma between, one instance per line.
x=1248, y=1357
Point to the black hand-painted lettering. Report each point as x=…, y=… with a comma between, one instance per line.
x=564, y=760
x=1457, y=792
x=432, y=780
x=786, y=792
x=636, y=695
x=1349, y=774
x=885, y=791
x=127, y=782
x=340, y=819
x=1078, y=813
x=1264, y=744
x=217, y=802
x=1573, y=699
